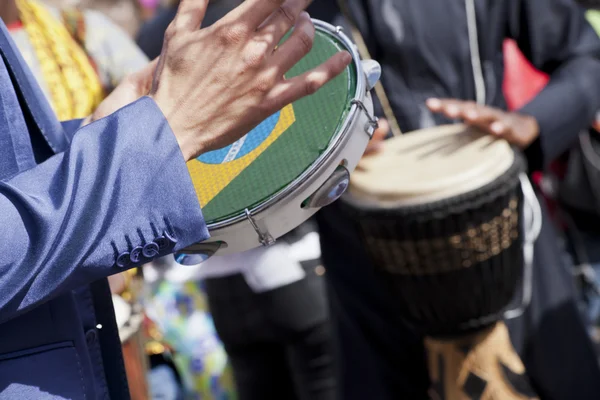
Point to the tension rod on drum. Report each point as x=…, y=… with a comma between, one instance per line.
x=372, y=124
x=264, y=237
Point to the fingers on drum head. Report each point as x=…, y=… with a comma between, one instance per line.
x=308, y=83
x=252, y=13
x=281, y=21
x=296, y=46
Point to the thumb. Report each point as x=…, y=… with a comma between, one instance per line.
x=142, y=79
x=382, y=130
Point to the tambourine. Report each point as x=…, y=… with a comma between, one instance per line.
x=293, y=163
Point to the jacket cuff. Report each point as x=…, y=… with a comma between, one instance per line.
x=167, y=216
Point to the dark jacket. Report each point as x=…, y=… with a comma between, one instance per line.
x=425, y=51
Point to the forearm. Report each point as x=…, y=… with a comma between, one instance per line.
x=121, y=185
x=556, y=38
x=565, y=107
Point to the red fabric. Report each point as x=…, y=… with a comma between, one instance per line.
x=14, y=26
x=522, y=82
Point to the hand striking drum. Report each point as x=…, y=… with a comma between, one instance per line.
x=293, y=163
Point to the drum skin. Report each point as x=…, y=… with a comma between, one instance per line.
x=279, y=149
x=295, y=162
x=452, y=265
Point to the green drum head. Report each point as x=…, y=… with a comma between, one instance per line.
x=275, y=153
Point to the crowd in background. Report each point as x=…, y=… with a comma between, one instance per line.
x=276, y=338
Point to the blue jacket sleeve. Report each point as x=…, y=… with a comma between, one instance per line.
x=72, y=126
x=556, y=37
x=118, y=197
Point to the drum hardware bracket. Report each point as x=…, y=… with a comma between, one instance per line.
x=372, y=124
x=264, y=237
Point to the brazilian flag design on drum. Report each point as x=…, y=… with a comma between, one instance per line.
x=279, y=149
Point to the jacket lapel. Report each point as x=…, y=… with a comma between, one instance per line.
x=37, y=105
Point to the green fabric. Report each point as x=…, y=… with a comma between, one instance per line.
x=317, y=119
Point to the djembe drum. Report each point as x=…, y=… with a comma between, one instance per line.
x=441, y=214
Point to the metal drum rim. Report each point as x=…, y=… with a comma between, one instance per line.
x=335, y=143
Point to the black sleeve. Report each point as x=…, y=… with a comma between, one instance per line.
x=555, y=36
x=152, y=33
x=329, y=11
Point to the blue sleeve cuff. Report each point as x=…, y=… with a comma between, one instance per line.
x=118, y=197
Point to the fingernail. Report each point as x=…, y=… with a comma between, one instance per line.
x=346, y=57
x=471, y=114
x=497, y=127
x=452, y=110
x=308, y=28
x=434, y=103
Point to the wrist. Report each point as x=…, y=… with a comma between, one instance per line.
x=533, y=128
x=187, y=141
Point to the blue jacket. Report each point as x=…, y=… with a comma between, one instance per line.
x=75, y=207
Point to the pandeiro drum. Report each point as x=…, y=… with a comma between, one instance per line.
x=293, y=163
x=440, y=213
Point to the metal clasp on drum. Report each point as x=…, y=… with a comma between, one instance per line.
x=264, y=237
x=372, y=124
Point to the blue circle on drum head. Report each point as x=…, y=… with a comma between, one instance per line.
x=245, y=145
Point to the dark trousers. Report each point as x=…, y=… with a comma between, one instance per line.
x=381, y=357
x=278, y=342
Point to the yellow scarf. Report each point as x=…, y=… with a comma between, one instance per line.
x=74, y=85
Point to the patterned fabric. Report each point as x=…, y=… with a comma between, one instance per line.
x=75, y=90
x=111, y=49
x=181, y=313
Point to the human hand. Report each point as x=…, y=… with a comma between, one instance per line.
x=376, y=143
x=133, y=87
x=518, y=129
x=215, y=84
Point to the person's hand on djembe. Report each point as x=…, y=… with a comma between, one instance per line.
x=217, y=83
x=518, y=129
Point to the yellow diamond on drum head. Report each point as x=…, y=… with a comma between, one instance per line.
x=224, y=165
x=275, y=153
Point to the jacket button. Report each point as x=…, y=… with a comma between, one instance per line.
x=170, y=237
x=162, y=242
x=150, y=250
x=123, y=261
x=91, y=336
x=135, y=254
